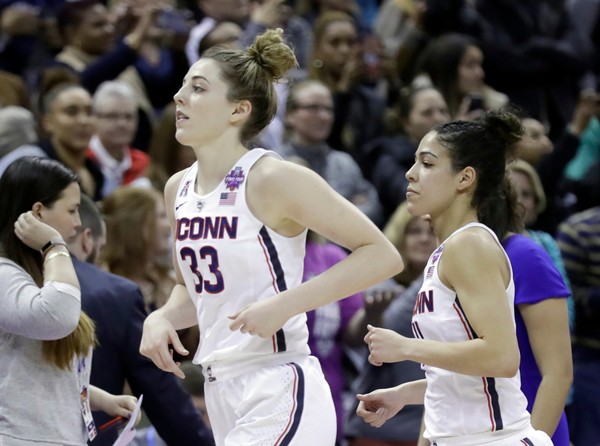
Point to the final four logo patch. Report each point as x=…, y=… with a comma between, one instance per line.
x=235, y=178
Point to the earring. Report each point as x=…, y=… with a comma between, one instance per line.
x=318, y=63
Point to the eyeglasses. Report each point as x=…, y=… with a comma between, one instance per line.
x=314, y=108
x=129, y=117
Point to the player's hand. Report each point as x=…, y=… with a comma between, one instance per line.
x=262, y=318
x=384, y=345
x=379, y=406
x=33, y=232
x=157, y=338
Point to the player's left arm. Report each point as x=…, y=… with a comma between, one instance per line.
x=289, y=198
x=476, y=268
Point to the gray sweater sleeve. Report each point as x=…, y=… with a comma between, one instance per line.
x=50, y=312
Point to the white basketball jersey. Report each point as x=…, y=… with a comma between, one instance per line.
x=456, y=404
x=229, y=259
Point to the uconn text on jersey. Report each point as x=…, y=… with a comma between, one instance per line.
x=198, y=228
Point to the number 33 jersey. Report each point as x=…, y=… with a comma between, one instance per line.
x=229, y=259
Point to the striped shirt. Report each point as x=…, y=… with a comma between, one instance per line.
x=579, y=242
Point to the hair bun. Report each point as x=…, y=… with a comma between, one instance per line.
x=504, y=125
x=271, y=53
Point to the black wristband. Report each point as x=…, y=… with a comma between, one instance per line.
x=51, y=243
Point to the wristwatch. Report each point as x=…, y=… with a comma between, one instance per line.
x=52, y=243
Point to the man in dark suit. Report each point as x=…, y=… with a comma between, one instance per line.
x=117, y=307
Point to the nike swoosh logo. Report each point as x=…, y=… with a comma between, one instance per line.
x=179, y=205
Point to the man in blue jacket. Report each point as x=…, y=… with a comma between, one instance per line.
x=116, y=306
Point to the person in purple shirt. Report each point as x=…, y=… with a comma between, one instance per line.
x=543, y=335
x=338, y=324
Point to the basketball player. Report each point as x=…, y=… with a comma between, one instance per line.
x=463, y=319
x=239, y=220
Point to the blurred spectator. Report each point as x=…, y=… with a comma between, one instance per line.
x=96, y=52
x=68, y=121
x=224, y=33
x=13, y=90
x=579, y=242
x=335, y=325
x=167, y=155
x=418, y=110
x=137, y=227
x=117, y=307
x=531, y=196
x=587, y=154
x=18, y=136
x=47, y=340
x=20, y=25
x=213, y=12
x=550, y=160
x=586, y=14
x=581, y=187
x=115, y=107
x=453, y=64
x=414, y=239
x=266, y=14
x=156, y=73
x=91, y=48
x=536, y=55
x=542, y=326
x=337, y=61
x=309, y=118
x=310, y=10
x=407, y=26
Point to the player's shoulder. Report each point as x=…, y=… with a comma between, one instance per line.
x=174, y=181
x=275, y=173
x=474, y=245
x=172, y=186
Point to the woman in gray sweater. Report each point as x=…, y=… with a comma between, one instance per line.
x=45, y=340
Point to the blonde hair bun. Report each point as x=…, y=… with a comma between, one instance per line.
x=271, y=53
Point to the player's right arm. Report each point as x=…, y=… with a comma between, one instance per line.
x=179, y=312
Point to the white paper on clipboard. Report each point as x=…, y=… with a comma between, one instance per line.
x=128, y=433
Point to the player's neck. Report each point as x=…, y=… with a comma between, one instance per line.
x=214, y=164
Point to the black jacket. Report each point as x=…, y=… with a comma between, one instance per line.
x=116, y=306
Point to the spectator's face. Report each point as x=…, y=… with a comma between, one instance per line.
x=95, y=33
x=419, y=243
x=116, y=121
x=225, y=34
x=470, y=71
x=428, y=110
x=338, y=46
x=535, y=144
x=69, y=120
x=63, y=214
x=311, y=117
x=525, y=195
